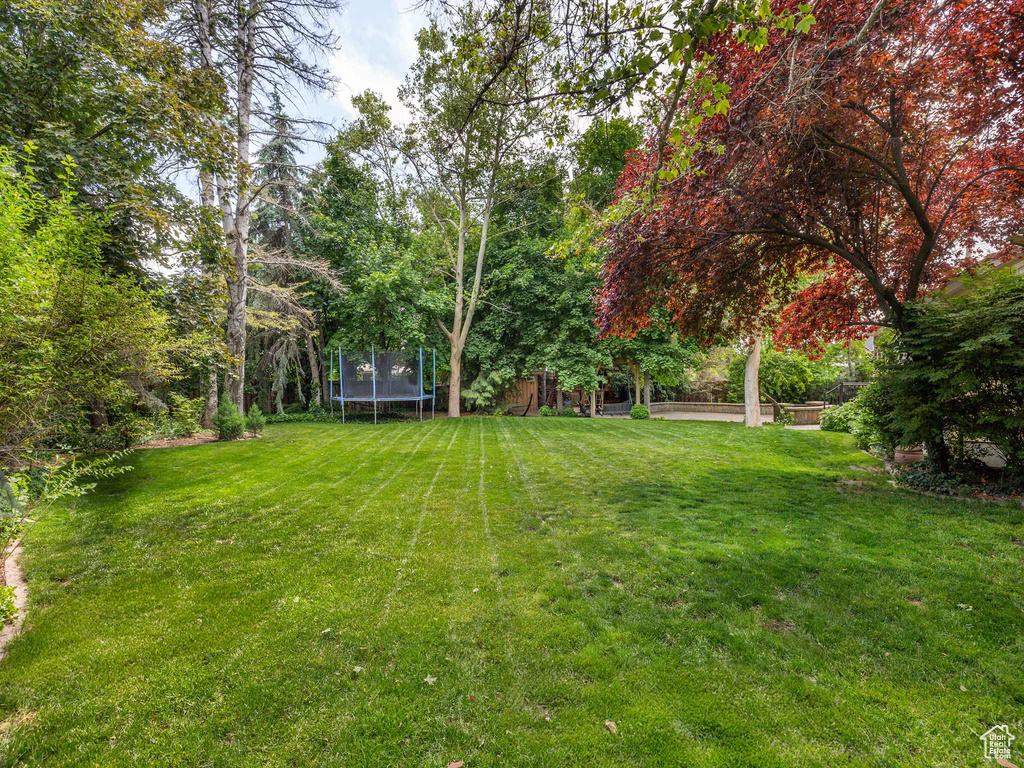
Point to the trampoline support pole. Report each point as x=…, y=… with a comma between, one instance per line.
x=419, y=402
x=341, y=382
x=433, y=390
x=330, y=386
x=373, y=380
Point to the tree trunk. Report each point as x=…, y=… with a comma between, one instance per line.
x=235, y=332
x=98, y=415
x=455, y=382
x=206, y=422
x=647, y=390
x=325, y=368
x=236, y=219
x=636, y=382
x=559, y=400
x=751, y=388
x=314, y=370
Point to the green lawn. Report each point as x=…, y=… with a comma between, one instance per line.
x=494, y=590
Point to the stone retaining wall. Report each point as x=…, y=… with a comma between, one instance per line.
x=656, y=408
x=805, y=414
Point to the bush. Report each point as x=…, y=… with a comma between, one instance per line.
x=7, y=610
x=956, y=376
x=186, y=413
x=132, y=429
x=546, y=410
x=840, y=418
x=639, y=411
x=229, y=421
x=166, y=428
x=567, y=412
x=255, y=421
x=293, y=408
x=786, y=376
x=483, y=392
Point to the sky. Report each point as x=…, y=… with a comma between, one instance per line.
x=378, y=46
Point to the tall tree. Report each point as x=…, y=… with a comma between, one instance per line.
x=258, y=48
x=457, y=151
x=876, y=154
x=103, y=84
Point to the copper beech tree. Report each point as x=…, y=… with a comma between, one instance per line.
x=856, y=166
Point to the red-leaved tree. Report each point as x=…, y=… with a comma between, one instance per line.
x=857, y=166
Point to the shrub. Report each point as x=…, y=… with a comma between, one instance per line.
x=309, y=417
x=166, y=428
x=567, y=412
x=546, y=410
x=7, y=610
x=786, y=376
x=186, y=413
x=255, y=421
x=639, y=411
x=132, y=429
x=872, y=426
x=840, y=418
x=483, y=392
x=956, y=376
x=293, y=408
x=229, y=421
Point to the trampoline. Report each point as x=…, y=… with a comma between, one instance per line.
x=381, y=376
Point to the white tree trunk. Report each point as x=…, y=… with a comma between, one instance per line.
x=455, y=382
x=208, y=197
x=314, y=369
x=751, y=388
x=236, y=219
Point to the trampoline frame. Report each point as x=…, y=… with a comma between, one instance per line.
x=419, y=400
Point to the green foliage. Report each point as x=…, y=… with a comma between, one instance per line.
x=923, y=476
x=99, y=83
x=546, y=410
x=567, y=411
x=785, y=419
x=229, y=421
x=75, y=339
x=873, y=426
x=600, y=156
x=255, y=421
x=839, y=418
x=186, y=413
x=957, y=375
x=304, y=417
x=481, y=395
x=132, y=429
x=639, y=411
x=8, y=611
x=789, y=377
x=867, y=417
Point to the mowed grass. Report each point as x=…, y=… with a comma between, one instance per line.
x=494, y=590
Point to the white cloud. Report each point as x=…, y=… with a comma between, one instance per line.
x=377, y=47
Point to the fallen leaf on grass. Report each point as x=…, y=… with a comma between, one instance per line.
x=429, y=679
x=611, y=726
x=456, y=764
